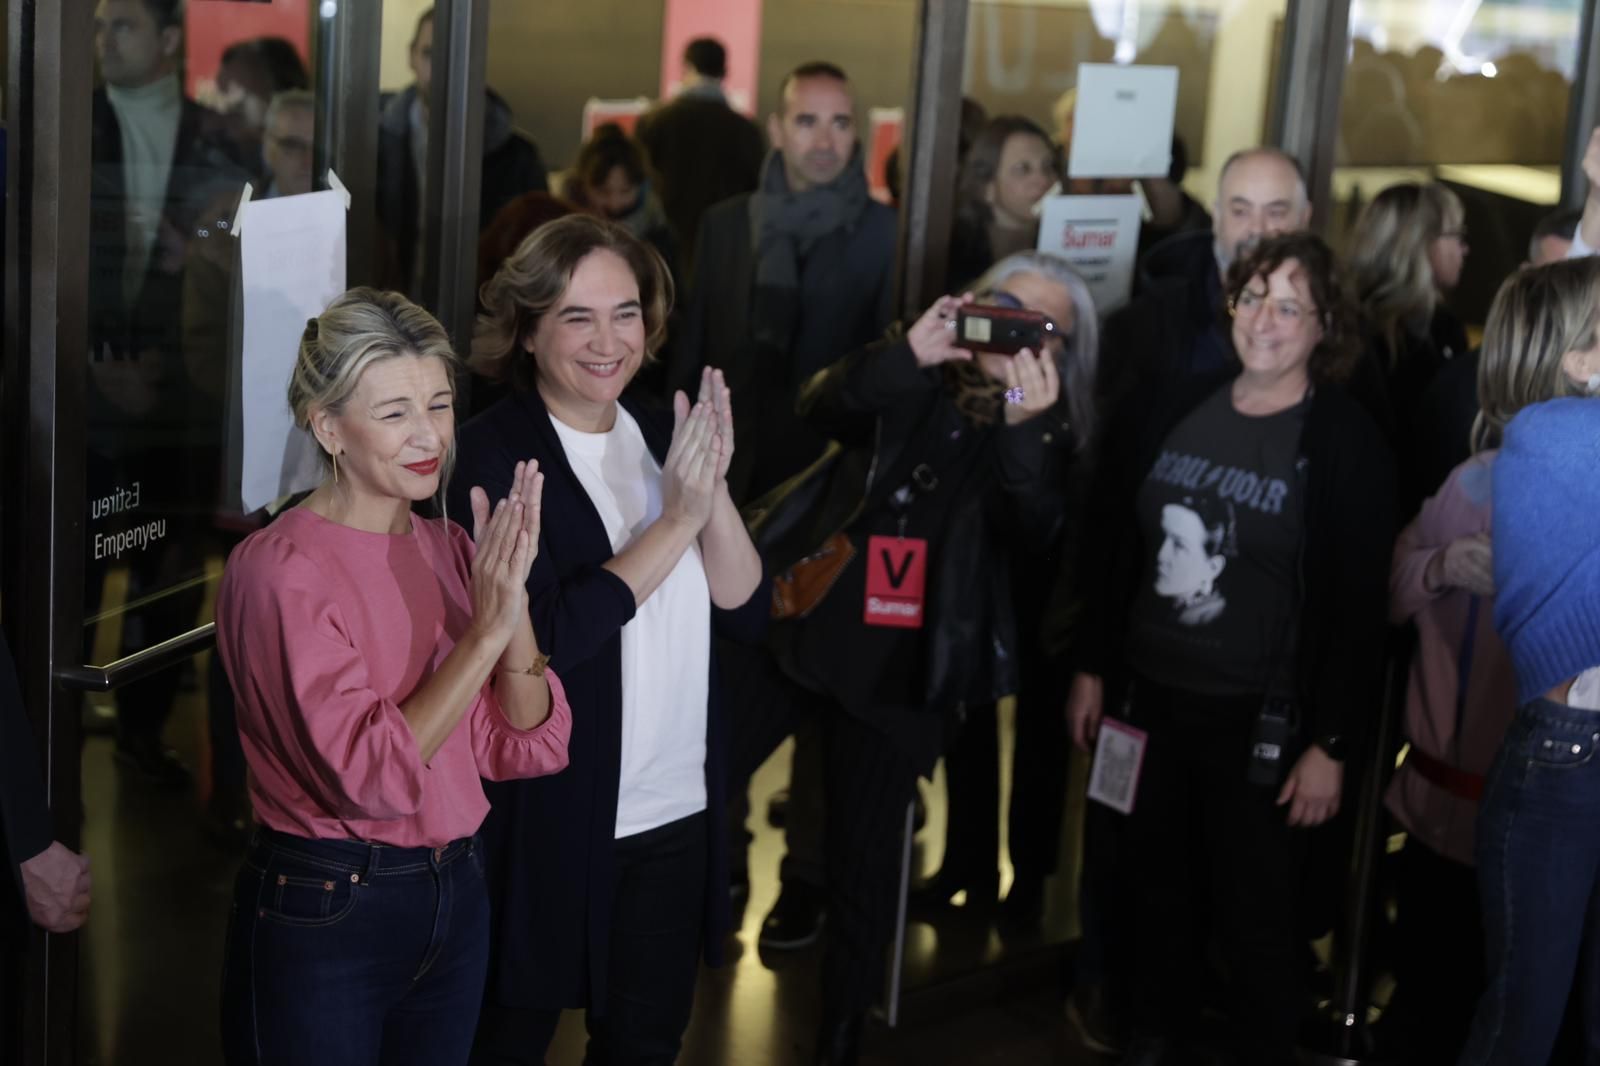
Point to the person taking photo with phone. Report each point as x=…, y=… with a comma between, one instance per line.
x=907, y=616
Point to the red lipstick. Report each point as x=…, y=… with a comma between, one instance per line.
x=424, y=469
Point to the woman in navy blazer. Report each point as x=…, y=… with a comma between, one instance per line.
x=607, y=880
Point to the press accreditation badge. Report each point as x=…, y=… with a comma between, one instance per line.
x=1118, y=757
x=897, y=573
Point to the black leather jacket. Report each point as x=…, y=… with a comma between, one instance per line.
x=886, y=417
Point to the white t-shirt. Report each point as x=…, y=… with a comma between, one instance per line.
x=666, y=649
x=1585, y=693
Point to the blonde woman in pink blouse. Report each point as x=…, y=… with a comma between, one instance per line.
x=382, y=665
x=1462, y=692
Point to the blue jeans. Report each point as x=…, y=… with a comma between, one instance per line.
x=356, y=954
x=1539, y=873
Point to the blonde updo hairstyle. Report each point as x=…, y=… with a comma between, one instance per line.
x=1539, y=315
x=359, y=328
x=532, y=280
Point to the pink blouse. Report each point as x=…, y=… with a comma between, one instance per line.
x=324, y=629
x=1456, y=643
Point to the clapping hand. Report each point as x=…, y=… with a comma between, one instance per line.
x=694, y=464
x=1032, y=385
x=714, y=391
x=508, y=541
x=933, y=336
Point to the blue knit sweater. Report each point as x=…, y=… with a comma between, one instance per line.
x=1547, y=543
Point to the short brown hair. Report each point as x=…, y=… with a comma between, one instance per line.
x=1335, y=355
x=533, y=278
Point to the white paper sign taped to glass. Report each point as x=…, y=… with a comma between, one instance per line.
x=292, y=266
x=1099, y=236
x=1122, y=124
x=1118, y=759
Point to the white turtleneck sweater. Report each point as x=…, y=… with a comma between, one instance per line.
x=148, y=117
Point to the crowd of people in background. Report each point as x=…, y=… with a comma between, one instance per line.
x=699, y=457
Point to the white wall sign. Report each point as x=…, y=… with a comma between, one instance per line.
x=1099, y=236
x=292, y=251
x=1122, y=125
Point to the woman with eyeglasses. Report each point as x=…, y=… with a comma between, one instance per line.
x=1407, y=253
x=1236, y=617
x=945, y=457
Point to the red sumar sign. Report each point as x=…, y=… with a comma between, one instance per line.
x=897, y=571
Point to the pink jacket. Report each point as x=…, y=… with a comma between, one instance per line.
x=1462, y=730
x=325, y=630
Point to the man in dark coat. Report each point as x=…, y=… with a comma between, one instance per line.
x=789, y=280
x=703, y=151
x=511, y=163
x=159, y=163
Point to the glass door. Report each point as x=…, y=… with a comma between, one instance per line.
x=133, y=128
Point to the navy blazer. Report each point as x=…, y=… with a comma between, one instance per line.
x=548, y=840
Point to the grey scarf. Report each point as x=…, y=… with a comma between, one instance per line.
x=784, y=227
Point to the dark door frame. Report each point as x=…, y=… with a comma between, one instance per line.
x=48, y=96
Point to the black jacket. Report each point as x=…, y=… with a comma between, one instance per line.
x=1349, y=530
x=511, y=167
x=548, y=840
x=1174, y=328
x=704, y=152
x=888, y=418
x=846, y=301
x=147, y=327
x=24, y=816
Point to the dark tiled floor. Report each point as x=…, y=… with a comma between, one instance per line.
x=153, y=951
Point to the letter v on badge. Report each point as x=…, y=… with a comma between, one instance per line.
x=897, y=573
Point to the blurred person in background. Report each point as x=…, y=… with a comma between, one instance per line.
x=1008, y=170
x=703, y=150
x=251, y=74
x=511, y=162
x=611, y=179
x=1406, y=253
x=159, y=159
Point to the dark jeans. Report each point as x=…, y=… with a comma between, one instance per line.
x=657, y=919
x=1197, y=815
x=867, y=784
x=352, y=953
x=1539, y=873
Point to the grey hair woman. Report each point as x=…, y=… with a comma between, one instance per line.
x=1078, y=355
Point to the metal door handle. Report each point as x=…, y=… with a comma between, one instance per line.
x=140, y=664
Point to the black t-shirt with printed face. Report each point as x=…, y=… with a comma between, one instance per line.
x=1220, y=516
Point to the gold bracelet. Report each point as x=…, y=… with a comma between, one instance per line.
x=536, y=670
